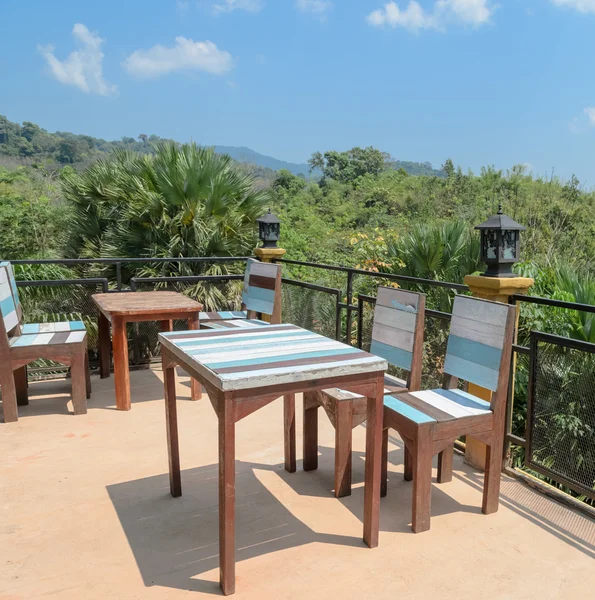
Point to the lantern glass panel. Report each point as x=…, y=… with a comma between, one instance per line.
x=509, y=245
x=490, y=245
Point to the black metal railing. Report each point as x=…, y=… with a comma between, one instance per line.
x=338, y=302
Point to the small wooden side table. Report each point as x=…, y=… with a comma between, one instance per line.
x=120, y=308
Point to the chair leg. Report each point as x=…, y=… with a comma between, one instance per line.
x=78, y=380
x=343, y=434
x=445, y=465
x=87, y=375
x=20, y=384
x=407, y=465
x=422, y=480
x=310, y=433
x=491, y=485
x=384, y=472
x=9, y=395
x=289, y=431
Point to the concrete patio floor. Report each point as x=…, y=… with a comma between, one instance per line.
x=85, y=513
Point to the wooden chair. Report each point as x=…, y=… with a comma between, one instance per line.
x=397, y=336
x=60, y=342
x=261, y=296
x=429, y=421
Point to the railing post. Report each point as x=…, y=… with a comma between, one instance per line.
x=338, y=316
x=499, y=289
x=349, y=302
x=360, y=322
x=119, y=276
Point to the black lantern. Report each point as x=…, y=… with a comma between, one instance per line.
x=500, y=244
x=269, y=229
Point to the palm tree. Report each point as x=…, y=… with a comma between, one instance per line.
x=183, y=201
x=442, y=252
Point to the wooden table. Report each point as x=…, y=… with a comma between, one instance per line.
x=245, y=369
x=131, y=307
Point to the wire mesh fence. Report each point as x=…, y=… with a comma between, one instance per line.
x=561, y=417
x=312, y=307
x=60, y=301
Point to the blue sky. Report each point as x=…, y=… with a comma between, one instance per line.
x=478, y=81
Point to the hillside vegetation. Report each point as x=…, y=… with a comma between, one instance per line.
x=360, y=209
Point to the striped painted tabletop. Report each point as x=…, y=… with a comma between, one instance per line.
x=243, y=358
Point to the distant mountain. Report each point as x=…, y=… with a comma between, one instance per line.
x=28, y=143
x=246, y=155
x=416, y=168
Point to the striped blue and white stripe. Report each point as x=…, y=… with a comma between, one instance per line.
x=8, y=307
x=266, y=355
x=454, y=403
x=59, y=327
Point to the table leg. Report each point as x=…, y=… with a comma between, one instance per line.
x=310, y=440
x=195, y=387
x=87, y=374
x=20, y=382
x=226, y=496
x=343, y=434
x=104, y=347
x=78, y=381
x=373, y=464
x=289, y=431
x=167, y=325
x=171, y=419
x=9, y=395
x=121, y=373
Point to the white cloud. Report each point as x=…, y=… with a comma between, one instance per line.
x=225, y=6
x=186, y=55
x=584, y=6
x=317, y=7
x=444, y=12
x=584, y=122
x=83, y=67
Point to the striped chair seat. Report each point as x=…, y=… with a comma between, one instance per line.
x=209, y=318
x=431, y=406
x=47, y=339
x=60, y=327
x=239, y=323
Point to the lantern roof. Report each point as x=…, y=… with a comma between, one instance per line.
x=268, y=218
x=501, y=221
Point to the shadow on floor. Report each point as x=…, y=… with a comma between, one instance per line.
x=566, y=524
x=174, y=540
x=395, y=508
x=54, y=396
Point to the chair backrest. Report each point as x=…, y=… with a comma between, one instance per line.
x=398, y=330
x=480, y=343
x=10, y=306
x=262, y=289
